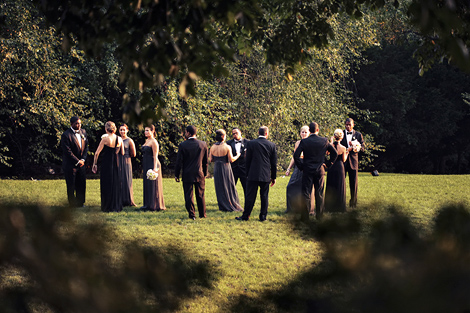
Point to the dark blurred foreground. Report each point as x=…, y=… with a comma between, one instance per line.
x=389, y=266
x=69, y=267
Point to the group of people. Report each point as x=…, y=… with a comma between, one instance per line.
x=253, y=162
x=313, y=155
x=113, y=156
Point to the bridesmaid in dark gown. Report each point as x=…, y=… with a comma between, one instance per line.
x=110, y=174
x=224, y=182
x=153, y=189
x=126, y=167
x=294, y=198
x=335, y=194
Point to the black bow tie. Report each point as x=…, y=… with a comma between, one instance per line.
x=76, y=131
x=348, y=133
x=238, y=141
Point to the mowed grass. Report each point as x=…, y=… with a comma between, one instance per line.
x=249, y=258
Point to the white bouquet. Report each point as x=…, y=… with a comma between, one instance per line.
x=356, y=145
x=152, y=175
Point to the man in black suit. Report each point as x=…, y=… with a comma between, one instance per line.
x=238, y=145
x=261, y=162
x=192, y=160
x=351, y=165
x=314, y=149
x=74, y=143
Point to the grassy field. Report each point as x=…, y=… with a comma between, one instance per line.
x=249, y=259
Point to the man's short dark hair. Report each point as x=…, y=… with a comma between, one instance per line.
x=192, y=130
x=313, y=127
x=350, y=120
x=263, y=130
x=73, y=119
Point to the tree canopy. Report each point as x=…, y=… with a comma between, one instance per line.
x=40, y=86
x=283, y=63
x=156, y=39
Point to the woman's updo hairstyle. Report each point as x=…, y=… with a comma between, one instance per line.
x=219, y=135
x=152, y=129
x=110, y=127
x=338, y=134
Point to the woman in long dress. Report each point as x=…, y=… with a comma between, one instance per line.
x=153, y=189
x=335, y=194
x=110, y=173
x=224, y=182
x=294, y=197
x=126, y=167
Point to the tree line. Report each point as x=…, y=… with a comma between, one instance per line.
x=358, y=62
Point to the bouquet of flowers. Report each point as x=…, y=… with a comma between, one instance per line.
x=356, y=145
x=152, y=175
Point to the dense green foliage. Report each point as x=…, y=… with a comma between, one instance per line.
x=277, y=63
x=369, y=258
x=444, y=31
x=41, y=88
x=157, y=39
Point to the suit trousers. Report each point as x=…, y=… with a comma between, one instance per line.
x=317, y=181
x=75, y=179
x=200, y=188
x=242, y=180
x=250, y=198
x=352, y=183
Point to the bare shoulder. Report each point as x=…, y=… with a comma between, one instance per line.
x=105, y=139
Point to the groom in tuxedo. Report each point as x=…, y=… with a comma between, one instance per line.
x=314, y=164
x=261, y=162
x=238, y=145
x=74, y=144
x=192, y=161
x=351, y=165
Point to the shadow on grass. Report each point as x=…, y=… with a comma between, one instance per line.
x=390, y=267
x=49, y=261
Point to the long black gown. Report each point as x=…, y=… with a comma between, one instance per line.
x=224, y=182
x=110, y=180
x=294, y=196
x=126, y=175
x=153, y=189
x=335, y=194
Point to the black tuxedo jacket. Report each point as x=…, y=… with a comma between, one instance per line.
x=314, y=148
x=261, y=160
x=192, y=160
x=71, y=151
x=353, y=157
x=240, y=163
